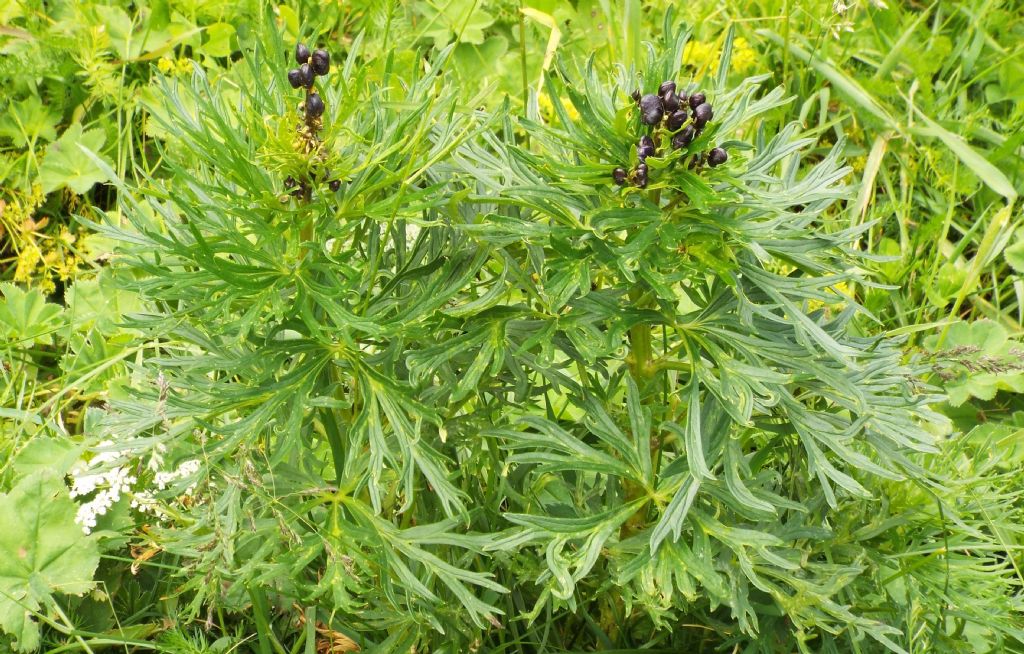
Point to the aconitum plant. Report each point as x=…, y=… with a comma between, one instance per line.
x=492, y=391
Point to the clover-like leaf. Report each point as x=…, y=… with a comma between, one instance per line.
x=42, y=552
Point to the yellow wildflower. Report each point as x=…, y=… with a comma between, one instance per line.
x=841, y=290
x=28, y=259
x=702, y=55
x=744, y=57
x=547, y=108
x=699, y=54
x=174, y=67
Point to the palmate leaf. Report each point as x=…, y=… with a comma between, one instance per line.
x=26, y=318
x=42, y=552
x=68, y=162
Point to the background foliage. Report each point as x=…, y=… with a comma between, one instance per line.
x=193, y=370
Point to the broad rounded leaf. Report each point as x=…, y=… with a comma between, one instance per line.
x=42, y=551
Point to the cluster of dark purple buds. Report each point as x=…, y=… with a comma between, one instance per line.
x=684, y=116
x=311, y=64
x=301, y=189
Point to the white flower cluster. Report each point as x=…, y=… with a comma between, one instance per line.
x=112, y=482
x=107, y=475
x=145, y=501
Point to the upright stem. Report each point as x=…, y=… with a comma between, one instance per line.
x=640, y=343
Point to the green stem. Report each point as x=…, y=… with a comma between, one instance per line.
x=640, y=342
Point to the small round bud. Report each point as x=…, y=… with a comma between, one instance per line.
x=697, y=99
x=666, y=87
x=301, y=53
x=717, y=157
x=295, y=78
x=676, y=119
x=619, y=175
x=670, y=101
x=702, y=114
x=684, y=137
x=335, y=185
x=321, y=62
x=651, y=109
x=306, y=73
x=645, y=148
x=314, y=106
x=641, y=175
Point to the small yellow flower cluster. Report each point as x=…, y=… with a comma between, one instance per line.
x=700, y=54
x=39, y=257
x=703, y=56
x=547, y=108
x=841, y=290
x=174, y=67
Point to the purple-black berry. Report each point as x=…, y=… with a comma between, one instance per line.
x=666, y=86
x=697, y=99
x=335, y=185
x=295, y=78
x=717, y=157
x=321, y=62
x=619, y=175
x=301, y=53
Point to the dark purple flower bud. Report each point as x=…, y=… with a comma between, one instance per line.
x=651, y=110
x=676, y=120
x=301, y=53
x=684, y=137
x=702, y=114
x=645, y=148
x=697, y=99
x=717, y=157
x=295, y=78
x=321, y=62
x=619, y=175
x=641, y=175
x=335, y=185
x=670, y=101
x=314, y=106
x=665, y=87
x=306, y=73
